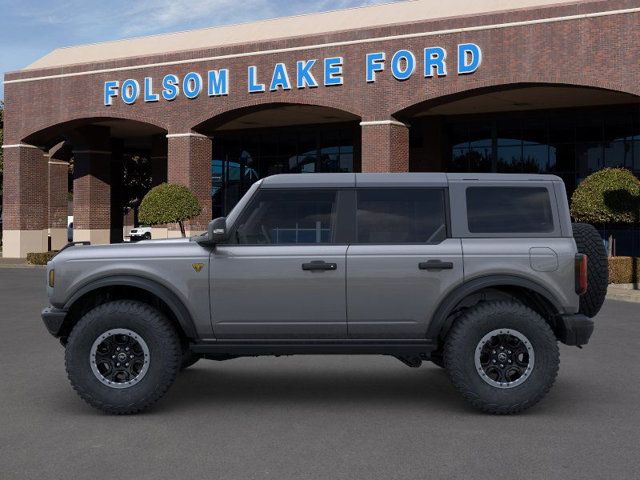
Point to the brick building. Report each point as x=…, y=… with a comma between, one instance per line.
x=413, y=86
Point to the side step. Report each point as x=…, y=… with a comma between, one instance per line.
x=403, y=348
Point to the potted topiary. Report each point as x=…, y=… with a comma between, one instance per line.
x=169, y=203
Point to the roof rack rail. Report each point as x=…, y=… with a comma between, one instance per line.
x=73, y=244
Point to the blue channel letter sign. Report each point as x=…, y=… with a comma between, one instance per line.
x=307, y=73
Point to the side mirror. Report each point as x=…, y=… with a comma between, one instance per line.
x=217, y=231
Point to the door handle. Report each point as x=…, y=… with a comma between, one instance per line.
x=435, y=265
x=319, y=266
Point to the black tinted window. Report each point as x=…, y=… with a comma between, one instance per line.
x=289, y=217
x=401, y=216
x=509, y=210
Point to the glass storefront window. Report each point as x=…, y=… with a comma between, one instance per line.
x=243, y=157
x=571, y=143
x=589, y=157
x=588, y=128
x=459, y=161
x=619, y=154
x=480, y=159
x=535, y=133
x=565, y=157
x=535, y=158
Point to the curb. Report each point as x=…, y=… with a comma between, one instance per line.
x=20, y=265
x=624, y=295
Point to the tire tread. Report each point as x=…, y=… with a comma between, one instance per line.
x=589, y=242
x=165, y=331
x=454, y=364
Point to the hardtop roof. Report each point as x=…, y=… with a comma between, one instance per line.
x=412, y=179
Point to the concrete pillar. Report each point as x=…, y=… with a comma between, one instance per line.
x=25, y=207
x=189, y=164
x=385, y=146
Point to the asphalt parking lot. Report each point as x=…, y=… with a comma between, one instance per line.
x=315, y=417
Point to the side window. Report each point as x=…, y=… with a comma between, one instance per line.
x=389, y=215
x=509, y=210
x=281, y=217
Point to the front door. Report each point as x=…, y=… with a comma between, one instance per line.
x=401, y=263
x=283, y=274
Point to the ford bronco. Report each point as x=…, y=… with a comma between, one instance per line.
x=481, y=274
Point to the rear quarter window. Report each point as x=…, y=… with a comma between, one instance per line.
x=509, y=210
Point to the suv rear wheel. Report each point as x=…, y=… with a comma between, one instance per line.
x=123, y=356
x=502, y=356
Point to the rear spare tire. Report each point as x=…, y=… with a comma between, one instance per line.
x=589, y=242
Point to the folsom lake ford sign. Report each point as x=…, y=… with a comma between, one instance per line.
x=310, y=73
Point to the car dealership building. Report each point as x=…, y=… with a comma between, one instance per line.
x=457, y=86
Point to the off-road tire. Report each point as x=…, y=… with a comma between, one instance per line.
x=589, y=242
x=437, y=358
x=164, y=352
x=465, y=336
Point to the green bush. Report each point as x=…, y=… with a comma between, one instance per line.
x=611, y=195
x=169, y=203
x=623, y=269
x=40, y=258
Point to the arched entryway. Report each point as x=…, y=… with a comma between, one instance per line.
x=561, y=129
x=255, y=142
x=93, y=172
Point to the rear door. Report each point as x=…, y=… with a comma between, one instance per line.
x=401, y=263
x=283, y=276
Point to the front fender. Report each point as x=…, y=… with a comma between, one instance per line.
x=177, y=307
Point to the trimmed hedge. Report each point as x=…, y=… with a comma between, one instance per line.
x=169, y=203
x=621, y=269
x=40, y=258
x=611, y=195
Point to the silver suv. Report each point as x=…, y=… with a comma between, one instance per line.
x=479, y=274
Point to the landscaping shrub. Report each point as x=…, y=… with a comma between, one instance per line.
x=611, y=195
x=623, y=269
x=169, y=203
x=40, y=258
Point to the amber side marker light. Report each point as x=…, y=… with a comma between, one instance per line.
x=581, y=274
x=52, y=277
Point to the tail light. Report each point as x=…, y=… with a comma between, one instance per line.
x=581, y=273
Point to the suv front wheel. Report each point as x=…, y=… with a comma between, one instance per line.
x=502, y=356
x=123, y=356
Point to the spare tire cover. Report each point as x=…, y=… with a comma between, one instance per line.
x=590, y=243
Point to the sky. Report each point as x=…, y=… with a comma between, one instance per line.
x=30, y=29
